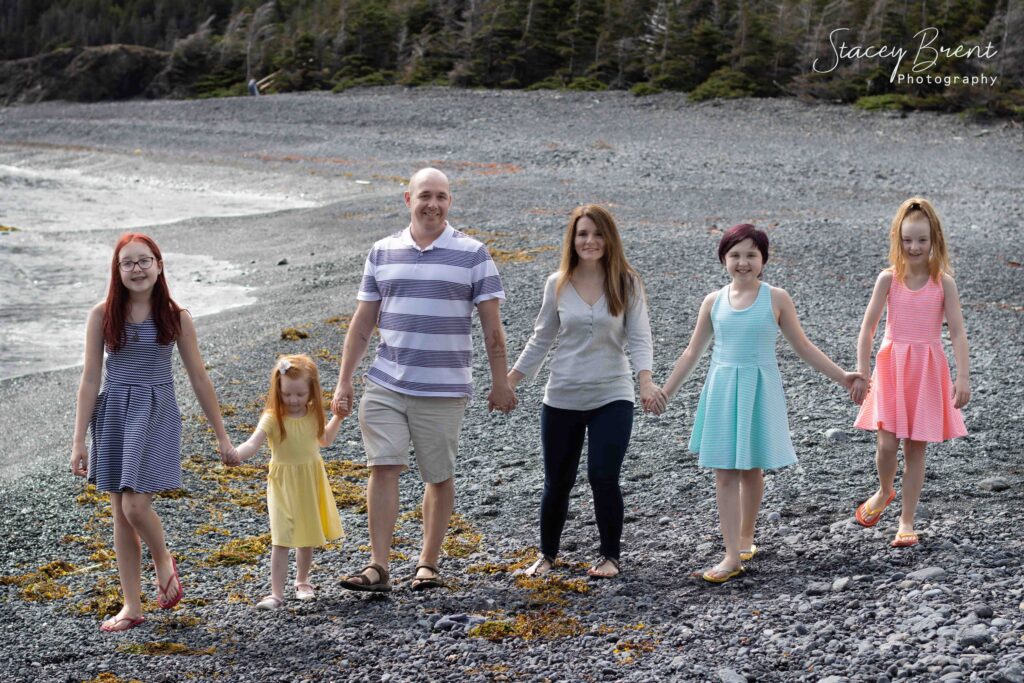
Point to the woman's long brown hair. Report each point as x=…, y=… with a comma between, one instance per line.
x=621, y=282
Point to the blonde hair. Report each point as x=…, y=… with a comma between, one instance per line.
x=299, y=365
x=621, y=282
x=938, y=258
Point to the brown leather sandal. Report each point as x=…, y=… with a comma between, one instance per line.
x=427, y=582
x=361, y=582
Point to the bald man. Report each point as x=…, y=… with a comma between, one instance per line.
x=419, y=288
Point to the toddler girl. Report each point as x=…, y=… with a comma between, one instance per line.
x=302, y=510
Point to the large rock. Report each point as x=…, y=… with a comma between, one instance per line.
x=106, y=72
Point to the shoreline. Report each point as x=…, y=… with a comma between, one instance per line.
x=822, y=182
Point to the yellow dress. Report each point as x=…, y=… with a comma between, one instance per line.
x=302, y=508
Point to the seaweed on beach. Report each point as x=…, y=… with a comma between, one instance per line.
x=519, y=559
x=462, y=538
x=40, y=585
x=164, y=648
x=547, y=624
x=239, y=551
x=107, y=677
x=293, y=334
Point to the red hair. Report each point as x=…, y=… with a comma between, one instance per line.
x=166, y=313
x=299, y=365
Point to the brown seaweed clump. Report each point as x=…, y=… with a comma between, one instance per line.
x=239, y=551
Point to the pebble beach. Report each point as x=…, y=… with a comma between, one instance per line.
x=825, y=600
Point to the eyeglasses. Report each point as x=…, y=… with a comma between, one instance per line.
x=144, y=263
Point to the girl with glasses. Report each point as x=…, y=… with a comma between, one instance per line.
x=134, y=423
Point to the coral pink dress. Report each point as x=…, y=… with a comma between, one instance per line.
x=911, y=391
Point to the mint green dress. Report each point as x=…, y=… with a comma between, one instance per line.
x=741, y=420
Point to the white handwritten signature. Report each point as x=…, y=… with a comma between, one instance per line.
x=925, y=57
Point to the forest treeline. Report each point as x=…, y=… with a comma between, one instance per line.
x=709, y=48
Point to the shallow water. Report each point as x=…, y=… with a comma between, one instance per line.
x=53, y=268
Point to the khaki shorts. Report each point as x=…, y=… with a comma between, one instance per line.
x=389, y=421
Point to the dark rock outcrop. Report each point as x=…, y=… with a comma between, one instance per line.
x=106, y=72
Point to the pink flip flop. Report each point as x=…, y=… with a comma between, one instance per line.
x=162, y=590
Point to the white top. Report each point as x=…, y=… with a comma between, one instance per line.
x=589, y=368
x=426, y=313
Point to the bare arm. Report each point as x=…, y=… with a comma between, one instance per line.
x=188, y=348
x=789, y=323
x=702, y=335
x=501, y=397
x=331, y=431
x=88, y=389
x=250, y=448
x=958, y=337
x=866, y=338
x=357, y=339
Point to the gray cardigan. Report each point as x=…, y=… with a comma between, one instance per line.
x=589, y=367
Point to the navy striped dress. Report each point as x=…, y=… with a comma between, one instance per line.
x=136, y=425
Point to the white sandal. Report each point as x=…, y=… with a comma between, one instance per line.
x=270, y=603
x=537, y=568
x=305, y=591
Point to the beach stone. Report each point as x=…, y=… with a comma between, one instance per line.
x=283, y=262
x=975, y=635
x=818, y=588
x=836, y=436
x=1011, y=674
x=927, y=574
x=983, y=611
x=727, y=675
x=840, y=584
x=774, y=517
x=832, y=679
x=994, y=484
x=461, y=621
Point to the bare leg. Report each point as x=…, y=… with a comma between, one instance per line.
x=129, y=558
x=438, y=503
x=303, y=561
x=382, y=513
x=138, y=509
x=727, y=491
x=913, y=482
x=886, y=462
x=278, y=570
x=751, y=493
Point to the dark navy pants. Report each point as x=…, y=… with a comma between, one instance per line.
x=608, y=429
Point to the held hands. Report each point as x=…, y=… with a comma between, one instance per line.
x=857, y=388
x=653, y=398
x=228, y=453
x=344, y=399
x=961, y=392
x=79, y=460
x=502, y=397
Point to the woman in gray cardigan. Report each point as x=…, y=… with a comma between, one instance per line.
x=594, y=308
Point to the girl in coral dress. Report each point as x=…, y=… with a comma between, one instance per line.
x=912, y=397
x=303, y=513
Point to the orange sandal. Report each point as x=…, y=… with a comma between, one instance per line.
x=869, y=518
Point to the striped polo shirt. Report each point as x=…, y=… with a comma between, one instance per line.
x=427, y=298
